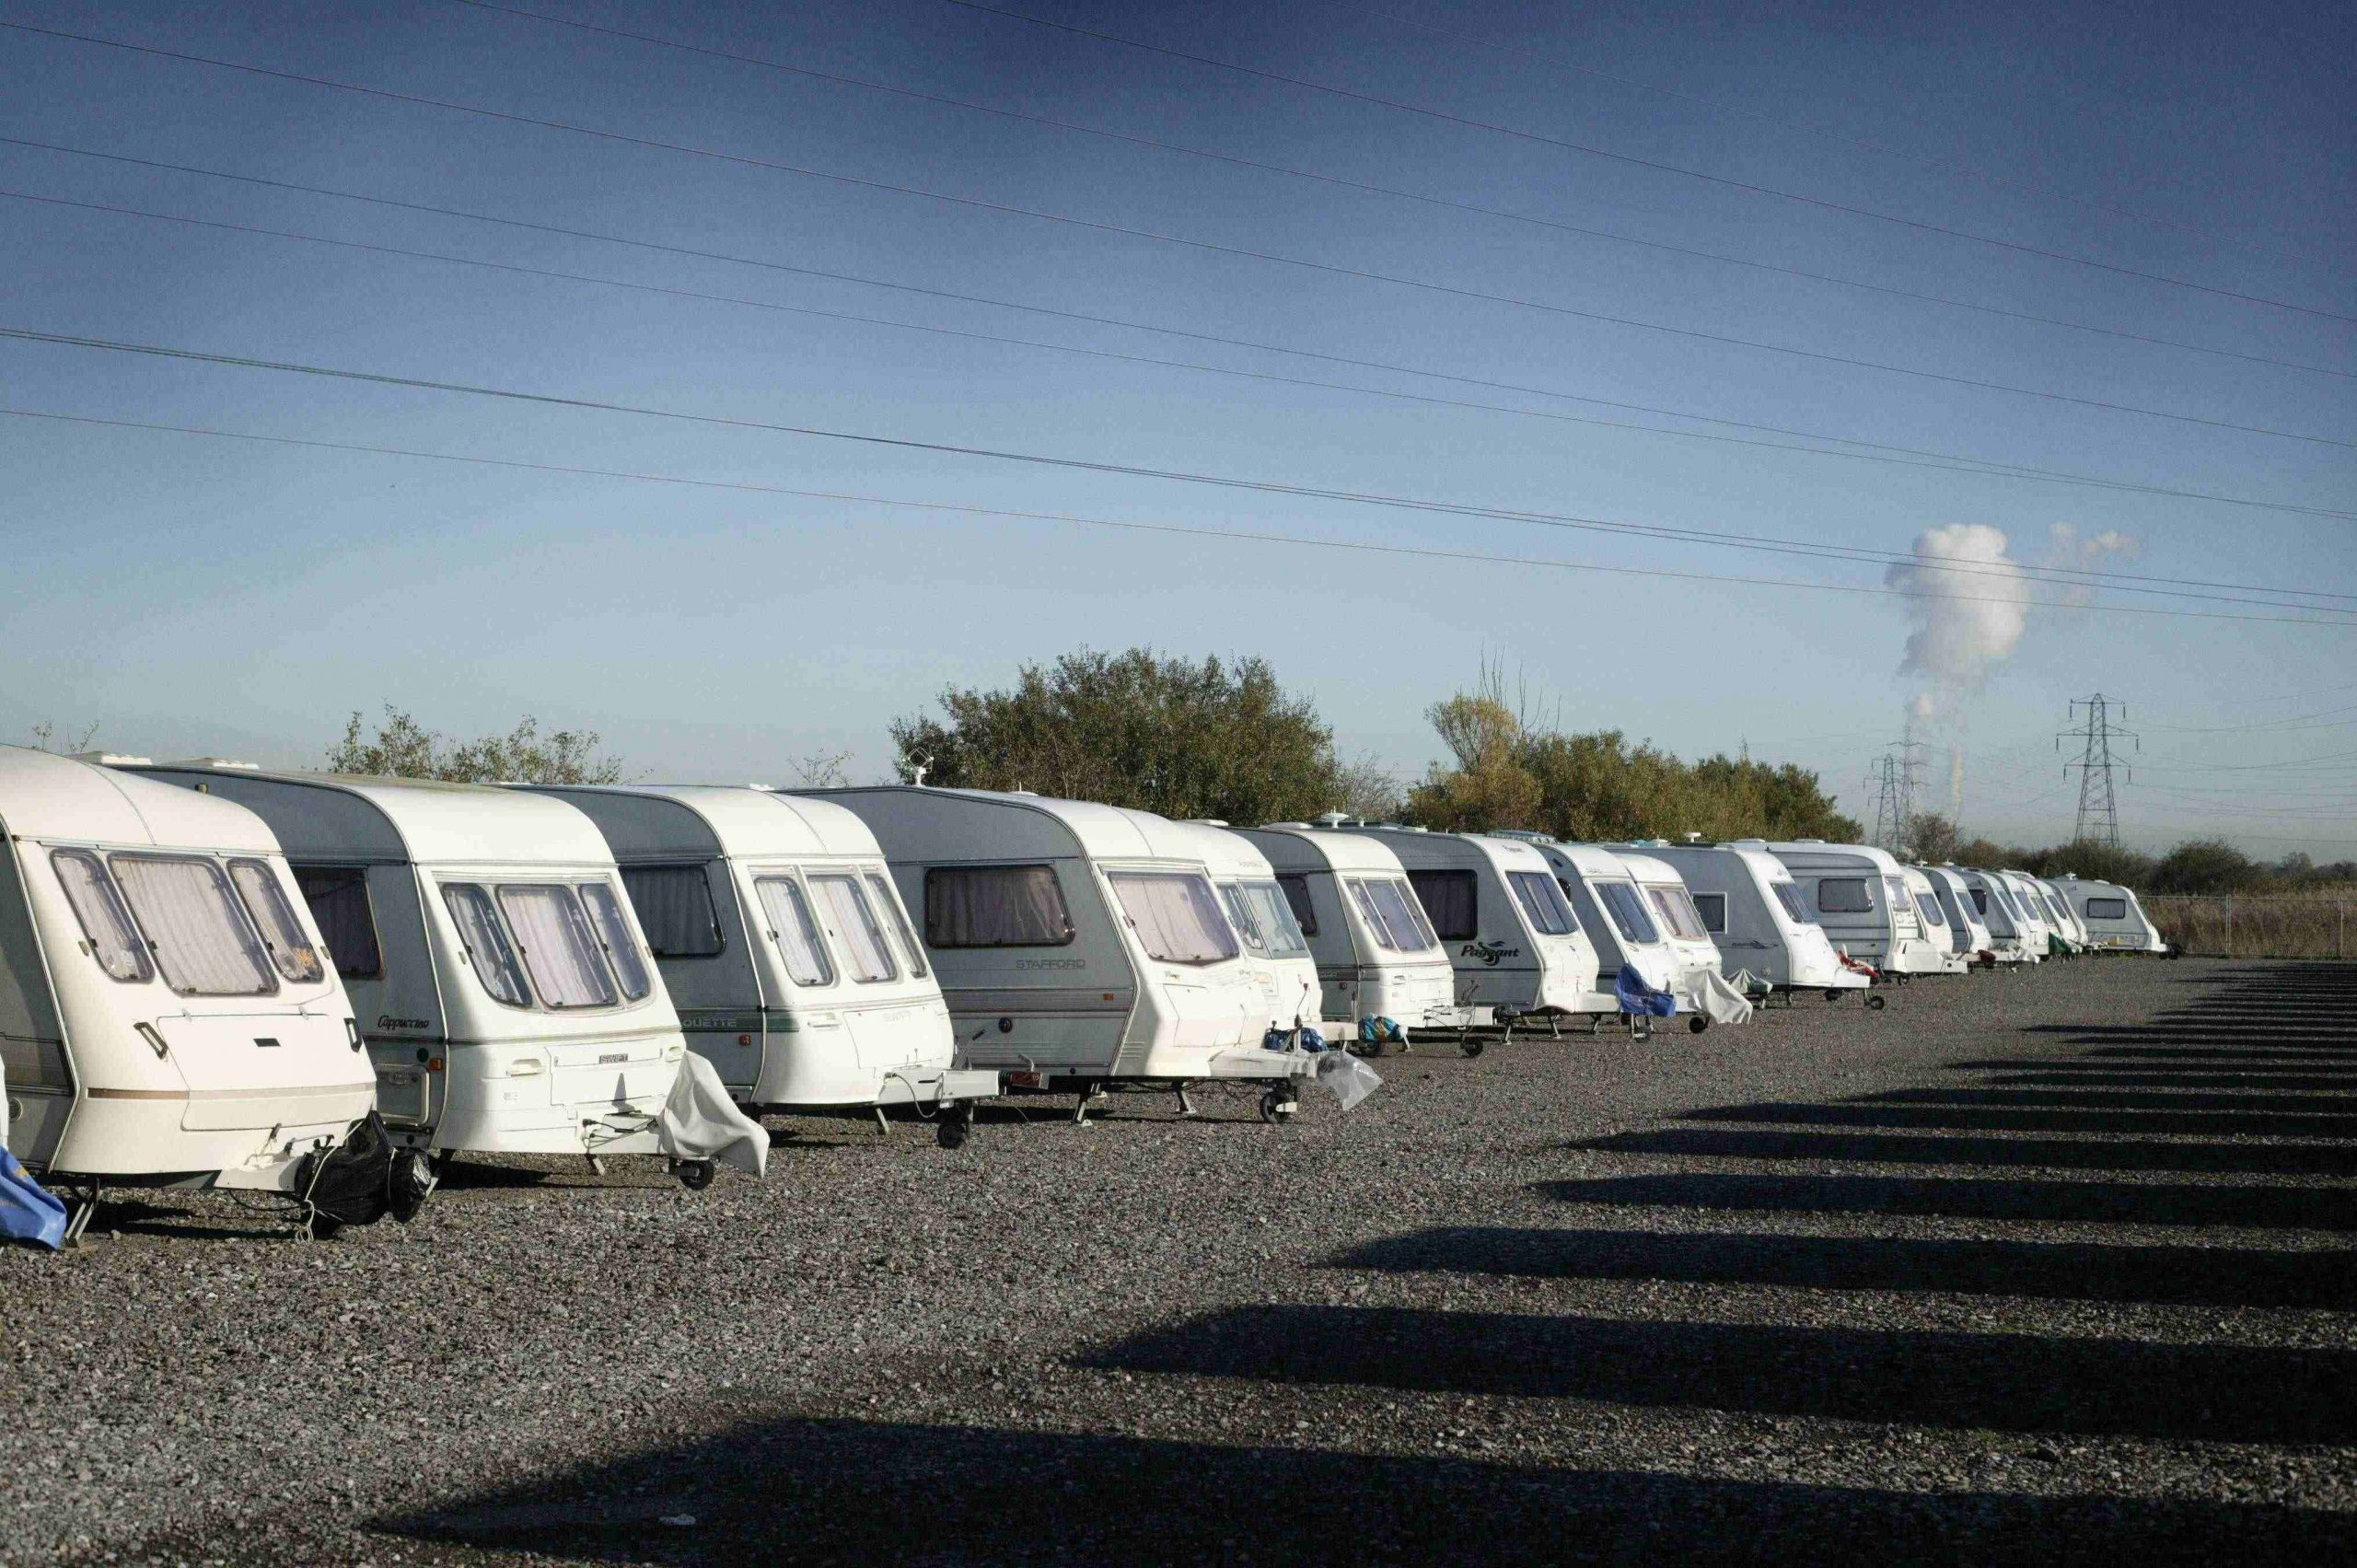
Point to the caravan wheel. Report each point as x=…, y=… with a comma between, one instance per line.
x=1471, y=1047
x=957, y=1125
x=1877, y=1002
x=1697, y=1023
x=694, y=1175
x=1278, y=1105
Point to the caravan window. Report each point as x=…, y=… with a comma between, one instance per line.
x=114, y=940
x=1844, y=895
x=1980, y=900
x=486, y=941
x=338, y=896
x=194, y=925
x=996, y=906
x=1415, y=910
x=1712, y=910
x=1549, y=915
x=1296, y=891
x=889, y=901
x=675, y=909
x=1174, y=916
x=1363, y=894
x=1391, y=909
x=1677, y=910
x=793, y=930
x=855, y=923
x=1619, y=900
x=281, y=931
x=2106, y=909
x=1788, y=895
x=1272, y=917
x=1449, y=901
x=559, y=948
x=613, y=931
x=1932, y=914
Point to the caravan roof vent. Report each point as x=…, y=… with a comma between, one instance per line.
x=1207, y=821
x=1302, y=826
x=765, y=789
x=111, y=759
x=1691, y=838
x=1329, y=820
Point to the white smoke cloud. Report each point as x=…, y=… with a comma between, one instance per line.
x=1970, y=605
x=2067, y=550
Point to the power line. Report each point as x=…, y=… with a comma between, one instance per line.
x=1077, y=464
x=1657, y=165
x=1289, y=171
x=2098, y=818
x=1939, y=164
x=1209, y=247
x=1770, y=544
x=1991, y=466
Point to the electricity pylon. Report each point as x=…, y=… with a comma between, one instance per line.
x=2099, y=804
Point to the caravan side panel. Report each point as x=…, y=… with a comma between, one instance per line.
x=32, y=1038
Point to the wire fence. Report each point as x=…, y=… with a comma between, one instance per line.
x=2263, y=925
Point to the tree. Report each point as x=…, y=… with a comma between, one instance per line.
x=2206, y=865
x=403, y=748
x=45, y=738
x=1931, y=838
x=820, y=769
x=1137, y=729
x=1367, y=790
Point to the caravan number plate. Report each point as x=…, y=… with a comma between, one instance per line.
x=611, y=1057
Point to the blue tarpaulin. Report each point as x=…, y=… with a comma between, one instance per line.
x=1640, y=999
x=28, y=1212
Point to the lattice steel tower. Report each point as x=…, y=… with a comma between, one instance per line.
x=2099, y=803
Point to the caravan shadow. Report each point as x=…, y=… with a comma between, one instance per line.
x=850, y=1492
x=2100, y=1078
x=2038, y=1119
x=2105, y=1203
x=2119, y=1099
x=2203, y=1276
x=2060, y=1154
x=2000, y=1382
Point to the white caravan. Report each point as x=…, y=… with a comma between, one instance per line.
x=1966, y=930
x=2036, y=924
x=1952, y=943
x=786, y=948
x=165, y=1018
x=1621, y=921
x=1864, y=903
x=1757, y=919
x=2115, y=920
x=2010, y=935
x=1377, y=956
x=2065, y=919
x=1274, y=944
x=504, y=988
x=1077, y=945
x=1493, y=902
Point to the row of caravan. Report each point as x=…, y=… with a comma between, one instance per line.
x=212, y=974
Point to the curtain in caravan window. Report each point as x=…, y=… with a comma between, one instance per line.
x=674, y=908
x=1450, y=902
x=797, y=933
x=281, y=931
x=995, y=906
x=1675, y=907
x=613, y=931
x=338, y=896
x=847, y=909
x=114, y=940
x=559, y=948
x=1175, y=916
x=195, y=925
x=485, y=940
x=890, y=903
x=1304, y=913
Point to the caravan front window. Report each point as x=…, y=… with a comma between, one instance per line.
x=1395, y=903
x=891, y=901
x=675, y=910
x=194, y=925
x=995, y=906
x=338, y=896
x=114, y=940
x=486, y=941
x=1619, y=900
x=795, y=932
x=1934, y=915
x=558, y=947
x=1175, y=916
x=281, y=931
x=1788, y=896
x=856, y=926
x=1280, y=934
x=613, y=931
x=1678, y=911
x=1549, y=915
x=1449, y=898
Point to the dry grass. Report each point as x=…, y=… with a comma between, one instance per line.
x=2320, y=925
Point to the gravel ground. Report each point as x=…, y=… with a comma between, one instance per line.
x=2029, y=1267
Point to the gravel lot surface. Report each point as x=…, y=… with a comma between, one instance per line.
x=2034, y=1267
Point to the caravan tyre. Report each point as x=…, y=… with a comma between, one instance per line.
x=694, y=1175
x=1278, y=1105
x=1877, y=1002
x=1697, y=1023
x=957, y=1126
x=1471, y=1047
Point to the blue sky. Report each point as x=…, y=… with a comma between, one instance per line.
x=189, y=593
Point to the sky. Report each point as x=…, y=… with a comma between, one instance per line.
x=751, y=597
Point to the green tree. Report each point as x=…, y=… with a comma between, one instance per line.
x=1931, y=838
x=1139, y=729
x=401, y=748
x=2206, y=865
